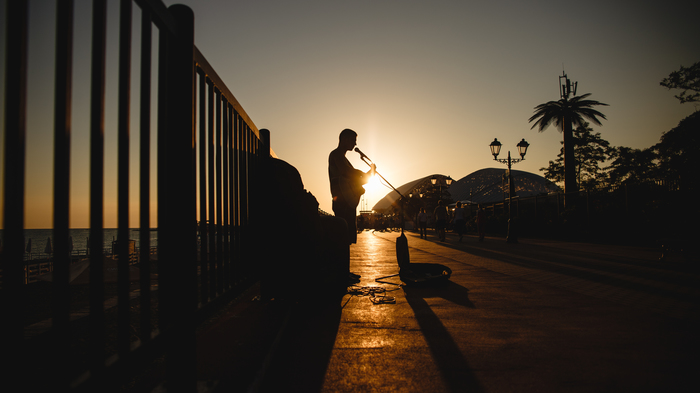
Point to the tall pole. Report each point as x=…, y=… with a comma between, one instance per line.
x=565, y=90
x=512, y=236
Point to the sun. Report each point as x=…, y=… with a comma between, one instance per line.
x=374, y=190
x=373, y=184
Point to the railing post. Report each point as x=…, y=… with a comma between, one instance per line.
x=177, y=237
x=265, y=143
x=60, y=293
x=11, y=259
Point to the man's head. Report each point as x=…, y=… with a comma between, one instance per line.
x=348, y=139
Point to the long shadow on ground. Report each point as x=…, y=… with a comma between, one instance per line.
x=455, y=368
x=300, y=361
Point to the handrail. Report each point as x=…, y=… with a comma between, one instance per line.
x=163, y=19
x=210, y=73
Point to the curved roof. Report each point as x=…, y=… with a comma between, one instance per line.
x=487, y=185
x=405, y=189
x=482, y=186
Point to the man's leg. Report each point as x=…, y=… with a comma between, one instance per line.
x=347, y=213
x=336, y=250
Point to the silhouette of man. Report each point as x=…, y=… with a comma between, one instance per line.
x=346, y=182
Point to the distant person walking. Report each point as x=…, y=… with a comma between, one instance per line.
x=440, y=214
x=481, y=223
x=460, y=220
x=423, y=223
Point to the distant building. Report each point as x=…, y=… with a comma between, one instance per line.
x=483, y=186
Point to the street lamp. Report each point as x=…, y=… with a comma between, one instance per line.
x=495, y=146
x=448, y=181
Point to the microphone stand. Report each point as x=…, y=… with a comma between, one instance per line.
x=401, y=197
x=403, y=218
x=419, y=273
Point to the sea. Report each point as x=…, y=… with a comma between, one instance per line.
x=35, y=240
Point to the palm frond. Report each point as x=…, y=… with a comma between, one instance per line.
x=547, y=114
x=577, y=109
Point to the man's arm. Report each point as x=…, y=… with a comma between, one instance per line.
x=345, y=169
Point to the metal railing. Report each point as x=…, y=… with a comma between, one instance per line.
x=208, y=152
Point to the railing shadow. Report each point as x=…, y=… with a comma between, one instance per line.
x=455, y=368
x=300, y=360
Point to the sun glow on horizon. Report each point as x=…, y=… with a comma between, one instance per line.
x=373, y=183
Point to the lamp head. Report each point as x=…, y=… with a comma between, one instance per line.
x=522, y=148
x=495, y=148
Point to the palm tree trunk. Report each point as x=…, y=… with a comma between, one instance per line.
x=570, y=185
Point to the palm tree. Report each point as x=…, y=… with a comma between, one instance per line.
x=565, y=114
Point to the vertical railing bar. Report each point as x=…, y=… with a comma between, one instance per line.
x=145, y=178
x=62, y=135
x=159, y=14
x=226, y=195
x=177, y=242
x=203, y=227
x=164, y=37
x=211, y=192
x=237, y=194
x=250, y=165
x=241, y=198
x=218, y=177
x=123, y=248
x=245, y=240
x=242, y=177
x=232, y=195
x=13, y=298
x=253, y=171
x=96, y=243
x=246, y=173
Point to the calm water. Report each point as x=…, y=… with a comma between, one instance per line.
x=39, y=238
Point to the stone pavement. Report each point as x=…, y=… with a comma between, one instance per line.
x=542, y=316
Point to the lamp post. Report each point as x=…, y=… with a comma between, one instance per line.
x=434, y=180
x=512, y=236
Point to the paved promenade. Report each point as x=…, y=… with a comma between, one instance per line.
x=537, y=316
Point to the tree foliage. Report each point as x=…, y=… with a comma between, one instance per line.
x=679, y=152
x=590, y=150
x=688, y=79
x=632, y=166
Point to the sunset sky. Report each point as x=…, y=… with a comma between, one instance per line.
x=426, y=84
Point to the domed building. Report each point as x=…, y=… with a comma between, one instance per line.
x=483, y=186
x=491, y=185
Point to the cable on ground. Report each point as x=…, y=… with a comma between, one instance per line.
x=377, y=295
